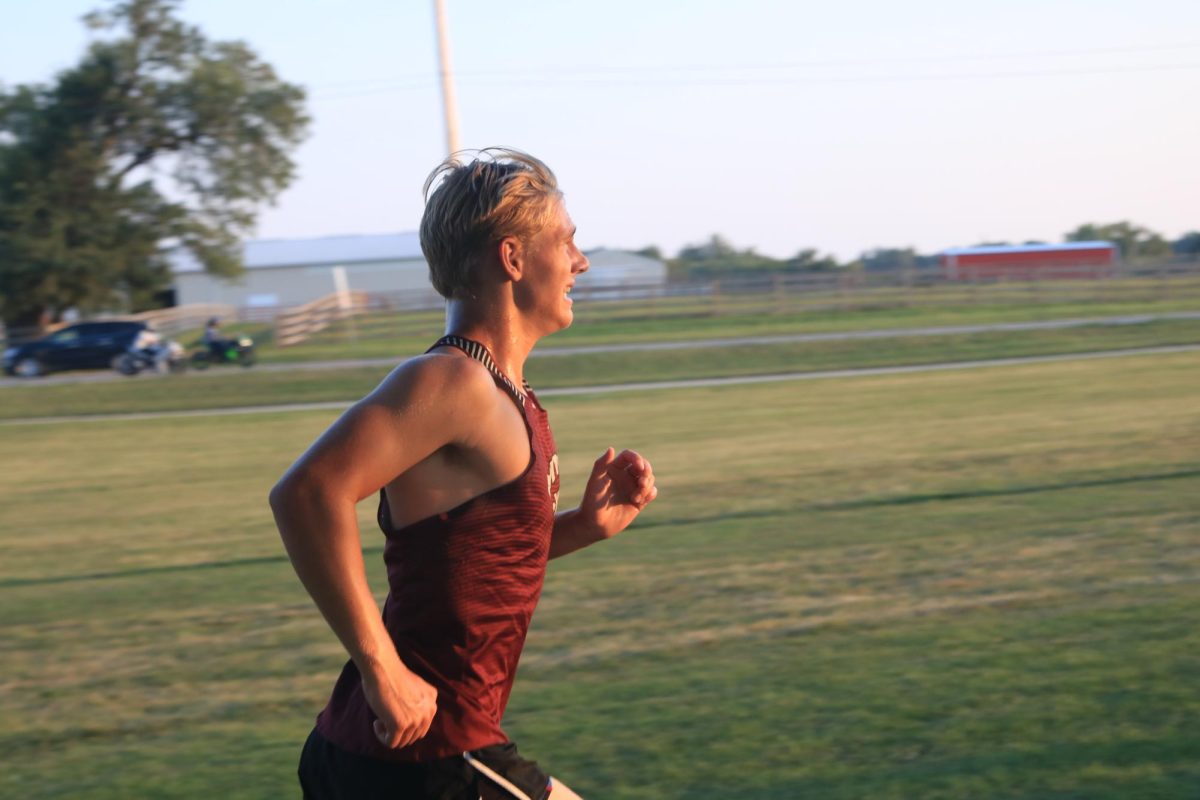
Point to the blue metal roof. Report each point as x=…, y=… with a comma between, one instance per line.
x=1026, y=248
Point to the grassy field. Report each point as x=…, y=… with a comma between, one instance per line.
x=980, y=584
x=231, y=387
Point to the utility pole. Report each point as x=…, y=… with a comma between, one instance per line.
x=449, y=101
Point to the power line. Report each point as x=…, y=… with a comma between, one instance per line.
x=642, y=81
x=850, y=61
x=424, y=79
x=800, y=81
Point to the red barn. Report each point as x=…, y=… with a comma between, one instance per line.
x=1029, y=261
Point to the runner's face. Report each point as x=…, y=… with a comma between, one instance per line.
x=553, y=263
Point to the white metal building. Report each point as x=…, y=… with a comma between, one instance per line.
x=282, y=273
x=289, y=272
x=619, y=268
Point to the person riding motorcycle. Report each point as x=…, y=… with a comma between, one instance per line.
x=221, y=350
x=218, y=345
x=150, y=351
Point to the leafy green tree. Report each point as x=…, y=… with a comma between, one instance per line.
x=718, y=258
x=717, y=248
x=1187, y=245
x=157, y=139
x=808, y=260
x=888, y=258
x=1135, y=241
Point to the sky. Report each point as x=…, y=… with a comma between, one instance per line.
x=779, y=124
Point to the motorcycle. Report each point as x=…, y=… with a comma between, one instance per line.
x=160, y=357
x=226, y=351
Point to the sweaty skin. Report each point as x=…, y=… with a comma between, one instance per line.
x=436, y=432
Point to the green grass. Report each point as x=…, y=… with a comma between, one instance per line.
x=980, y=584
x=229, y=387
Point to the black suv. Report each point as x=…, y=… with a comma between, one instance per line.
x=87, y=345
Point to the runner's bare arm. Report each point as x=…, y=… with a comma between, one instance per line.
x=421, y=407
x=620, y=486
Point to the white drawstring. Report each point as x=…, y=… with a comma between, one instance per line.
x=496, y=778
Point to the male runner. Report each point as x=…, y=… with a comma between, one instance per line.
x=460, y=451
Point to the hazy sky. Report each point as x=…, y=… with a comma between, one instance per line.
x=781, y=125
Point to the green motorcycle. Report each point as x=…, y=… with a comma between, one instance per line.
x=238, y=351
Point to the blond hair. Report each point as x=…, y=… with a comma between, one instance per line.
x=500, y=192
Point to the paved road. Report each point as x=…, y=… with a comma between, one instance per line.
x=691, y=344
x=636, y=387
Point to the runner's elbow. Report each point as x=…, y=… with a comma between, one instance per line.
x=296, y=485
x=306, y=490
x=277, y=498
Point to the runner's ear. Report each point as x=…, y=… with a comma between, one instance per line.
x=511, y=253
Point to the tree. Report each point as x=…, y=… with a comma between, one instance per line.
x=1135, y=241
x=809, y=260
x=895, y=259
x=885, y=259
x=717, y=248
x=1187, y=245
x=157, y=139
x=718, y=258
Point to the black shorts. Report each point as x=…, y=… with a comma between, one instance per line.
x=494, y=773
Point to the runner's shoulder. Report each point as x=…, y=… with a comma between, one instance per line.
x=444, y=378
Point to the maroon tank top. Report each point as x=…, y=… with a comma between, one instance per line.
x=462, y=589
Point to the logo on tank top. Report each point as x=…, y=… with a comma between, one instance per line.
x=552, y=480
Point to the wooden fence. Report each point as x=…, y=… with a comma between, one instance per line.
x=297, y=324
x=394, y=314
x=170, y=321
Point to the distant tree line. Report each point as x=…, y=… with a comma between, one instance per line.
x=718, y=258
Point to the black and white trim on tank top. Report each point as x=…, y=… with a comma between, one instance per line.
x=480, y=353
